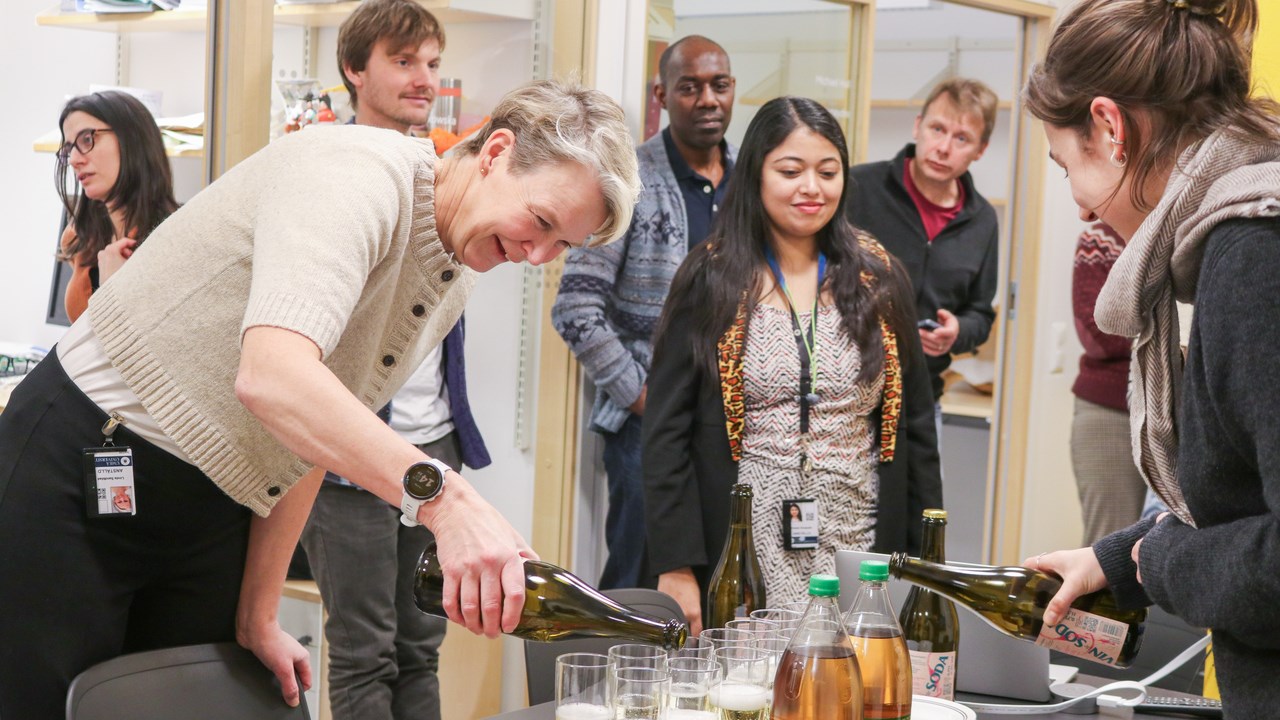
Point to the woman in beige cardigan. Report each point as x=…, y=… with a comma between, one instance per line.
x=247, y=344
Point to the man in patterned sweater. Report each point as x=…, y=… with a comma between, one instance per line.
x=610, y=298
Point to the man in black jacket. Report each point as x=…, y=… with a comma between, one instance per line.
x=922, y=206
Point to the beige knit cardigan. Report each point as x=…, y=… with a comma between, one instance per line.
x=328, y=232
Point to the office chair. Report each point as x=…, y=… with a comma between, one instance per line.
x=540, y=657
x=197, y=682
x=1164, y=636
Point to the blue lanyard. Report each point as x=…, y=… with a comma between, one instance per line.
x=806, y=341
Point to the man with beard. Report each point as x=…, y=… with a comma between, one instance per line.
x=610, y=298
x=384, y=653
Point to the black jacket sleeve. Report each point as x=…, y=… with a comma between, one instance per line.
x=918, y=428
x=977, y=315
x=673, y=507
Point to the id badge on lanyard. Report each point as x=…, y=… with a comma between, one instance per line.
x=800, y=524
x=108, y=476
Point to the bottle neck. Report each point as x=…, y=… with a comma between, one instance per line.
x=740, y=506
x=873, y=597
x=933, y=546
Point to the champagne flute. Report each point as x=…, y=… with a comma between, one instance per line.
x=641, y=693
x=743, y=692
x=638, y=655
x=786, y=620
x=758, y=629
x=696, y=647
x=725, y=636
x=691, y=681
x=583, y=689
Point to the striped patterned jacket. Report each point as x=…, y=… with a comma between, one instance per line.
x=610, y=297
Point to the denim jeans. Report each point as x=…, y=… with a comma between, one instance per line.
x=624, y=529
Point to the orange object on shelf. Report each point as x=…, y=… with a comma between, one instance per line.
x=444, y=139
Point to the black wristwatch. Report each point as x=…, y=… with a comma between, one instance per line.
x=423, y=483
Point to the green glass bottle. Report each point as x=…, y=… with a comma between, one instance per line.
x=930, y=623
x=557, y=605
x=1012, y=599
x=737, y=585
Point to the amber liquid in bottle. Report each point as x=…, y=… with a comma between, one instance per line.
x=737, y=585
x=886, y=688
x=882, y=652
x=557, y=605
x=818, y=676
x=1012, y=599
x=930, y=622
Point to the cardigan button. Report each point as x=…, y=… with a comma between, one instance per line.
x=447, y=275
x=388, y=361
x=273, y=491
x=419, y=311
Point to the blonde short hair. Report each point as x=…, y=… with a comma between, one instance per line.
x=556, y=122
x=972, y=97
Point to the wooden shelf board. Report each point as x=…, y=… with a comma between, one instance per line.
x=908, y=104
x=303, y=15
x=159, y=21
x=302, y=590
x=962, y=399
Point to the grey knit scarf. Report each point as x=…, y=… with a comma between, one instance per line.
x=1220, y=178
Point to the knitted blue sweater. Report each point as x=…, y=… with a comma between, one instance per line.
x=610, y=298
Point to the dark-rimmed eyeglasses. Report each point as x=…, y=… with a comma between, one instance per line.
x=84, y=143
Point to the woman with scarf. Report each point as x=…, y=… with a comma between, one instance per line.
x=786, y=358
x=1186, y=165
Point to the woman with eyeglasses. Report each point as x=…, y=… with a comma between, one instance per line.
x=123, y=187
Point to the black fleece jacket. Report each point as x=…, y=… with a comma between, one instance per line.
x=1224, y=574
x=956, y=272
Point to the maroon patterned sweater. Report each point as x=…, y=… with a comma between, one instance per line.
x=1104, y=366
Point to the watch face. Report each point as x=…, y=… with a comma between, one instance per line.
x=422, y=481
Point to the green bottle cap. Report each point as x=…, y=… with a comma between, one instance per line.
x=824, y=585
x=873, y=570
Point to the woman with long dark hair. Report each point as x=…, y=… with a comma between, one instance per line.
x=124, y=187
x=1184, y=163
x=786, y=358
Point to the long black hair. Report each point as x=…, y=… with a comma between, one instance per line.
x=724, y=272
x=144, y=186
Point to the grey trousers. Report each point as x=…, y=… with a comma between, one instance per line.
x=383, y=651
x=1110, y=487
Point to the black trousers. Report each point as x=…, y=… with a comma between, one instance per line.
x=75, y=591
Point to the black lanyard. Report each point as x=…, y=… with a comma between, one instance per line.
x=806, y=338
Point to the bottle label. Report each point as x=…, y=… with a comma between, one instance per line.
x=933, y=674
x=1085, y=635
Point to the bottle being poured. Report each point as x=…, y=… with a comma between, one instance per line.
x=557, y=605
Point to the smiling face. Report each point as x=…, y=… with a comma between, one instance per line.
x=523, y=216
x=1099, y=189
x=398, y=85
x=801, y=185
x=98, y=169
x=948, y=140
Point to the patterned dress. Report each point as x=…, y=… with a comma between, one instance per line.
x=842, y=447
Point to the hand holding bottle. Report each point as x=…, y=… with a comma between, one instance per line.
x=1080, y=572
x=483, y=559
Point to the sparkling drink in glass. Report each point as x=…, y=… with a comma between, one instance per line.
x=583, y=687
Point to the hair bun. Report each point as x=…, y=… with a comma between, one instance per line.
x=1205, y=8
